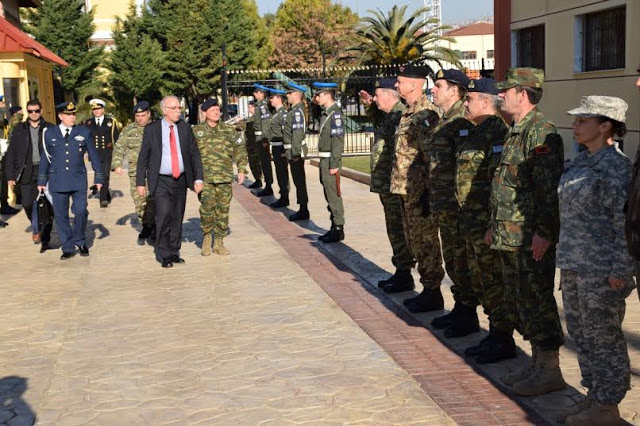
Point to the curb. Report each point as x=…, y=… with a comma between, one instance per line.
x=349, y=173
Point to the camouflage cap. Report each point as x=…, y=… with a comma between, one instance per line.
x=601, y=106
x=531, y=77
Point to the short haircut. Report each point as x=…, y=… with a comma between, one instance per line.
x=34, y=102
x=462, y=91
x=534, y=94
x=166, y=98
x=495, y=100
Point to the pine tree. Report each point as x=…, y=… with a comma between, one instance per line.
x=66, y=29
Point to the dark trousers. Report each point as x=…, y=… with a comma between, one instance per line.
x=105, y=158
x=170, y=197
x=265, y=162
x=299, y=180
x=69, y=237
x=4, y=187
x=29, y=195
x=282, y=170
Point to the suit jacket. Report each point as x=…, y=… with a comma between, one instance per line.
x=105, y=135
x=20, y=151
x=150, y=155
x=63, y=162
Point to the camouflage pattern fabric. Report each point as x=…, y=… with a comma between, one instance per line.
x=16, y=119
x=384, y=148
x=456, y=261
x=594, y=314
x=522, y=76
x=215, y=200
x=402, y=257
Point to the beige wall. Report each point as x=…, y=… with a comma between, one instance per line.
x=106, y=12
x=478, y=43
x=563, y=86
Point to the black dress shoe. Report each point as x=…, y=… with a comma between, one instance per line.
x=256, y=184
x=282, y=202
x=84, y=251
x=334, y=235
x=8, y=210
x=67, y=255
x=141, y=240
x=300, y=215
x=176, y=259
x=265, y=192
x=104, y=203
x=3, y=224
x=44, y=247
x=166, y=263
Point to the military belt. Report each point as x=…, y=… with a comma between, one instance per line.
x=287, y=146
x=276, y=144
x=324, y=154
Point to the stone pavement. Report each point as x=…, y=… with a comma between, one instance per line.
x=114, y=339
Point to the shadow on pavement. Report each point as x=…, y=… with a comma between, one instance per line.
x=14, y=409
x=95, y=231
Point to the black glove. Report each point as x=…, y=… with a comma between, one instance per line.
x=424, y=204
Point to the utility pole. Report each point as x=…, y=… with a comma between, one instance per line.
x=225, y=94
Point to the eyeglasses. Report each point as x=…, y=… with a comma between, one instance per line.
x=178, y=107
x=34, y=111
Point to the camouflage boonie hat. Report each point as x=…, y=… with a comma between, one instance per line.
x=531, y=77
x=602, y=106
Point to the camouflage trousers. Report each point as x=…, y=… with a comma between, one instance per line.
x=144, y=205
x=421, y=234
x=402, y=257
x=486, y=272
x=215, y=200
x=529, y=294
x=456, y=259
x=254, y=158
x=594, y=315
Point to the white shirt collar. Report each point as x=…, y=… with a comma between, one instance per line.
x=63, y=129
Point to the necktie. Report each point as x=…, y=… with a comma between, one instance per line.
x=175, y=166
x=66, y=135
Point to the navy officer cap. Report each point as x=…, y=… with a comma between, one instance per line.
x=292, y=87
x=323, y=87
x=209, y=103
x=386, y=83
x=453, y=75
x=483, y=85
x=66, y=107
x=141, y=106
x=413, y=71
x=261, y=88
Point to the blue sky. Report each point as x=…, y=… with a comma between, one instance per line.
x=452, y=10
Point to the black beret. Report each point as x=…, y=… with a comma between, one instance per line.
x=413, y=71
x=209, y=103
x=141, y=106
x=483, y=85
x=14, y=109
x=453, y=75
x=386, y=83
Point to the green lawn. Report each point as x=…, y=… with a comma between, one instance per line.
x=360, y=163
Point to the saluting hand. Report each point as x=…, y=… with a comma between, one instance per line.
x=198, y=187
x=365, y=97
x=142, y=191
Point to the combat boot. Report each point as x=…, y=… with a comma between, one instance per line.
x=596, y=414
x=445, y=321
x=206, y=244
x=463, y=324
x=265, y=192
x=302, y=214
x=256, y=184
x=335, y=234
x=427, y=301
x=487, y=340
x=500, y=347
x=219, y=248
x=282, y=202
x=546, y=378
x=401, y=281
x=512, y=378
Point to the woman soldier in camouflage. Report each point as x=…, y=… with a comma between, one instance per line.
x=596, y=268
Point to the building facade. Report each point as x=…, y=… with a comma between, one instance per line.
x=105, y=14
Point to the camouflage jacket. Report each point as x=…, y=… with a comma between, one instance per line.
x=524, y=196
x=442, y=148
x=294, y=131
x=410, y=171
x=220, y=147
x=276, y=125
x=261, y=116
x=128, y=143
x=592, y=194
x=384, y=147
x=477, y=161
x=331, y=137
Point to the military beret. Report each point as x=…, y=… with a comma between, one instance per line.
x=209, y=103
x=483, y=85
x=14, y=109
x=386, y=83
x=141, y=106
x=531, y=77
x=97, y=103
x=320, y=87
x=601, y=106
x=453, y=75
x=260, y=88
x=413, y=71
x=276, y=92
x=66, y=108
x=292, y=87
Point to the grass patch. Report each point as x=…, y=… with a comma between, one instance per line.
x=359, y=163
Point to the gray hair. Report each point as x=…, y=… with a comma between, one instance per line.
x=495, y=101
x=393, y=93
x=166, y=98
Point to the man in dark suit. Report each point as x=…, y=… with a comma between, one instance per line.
x=23, y=160
x=63, y=168
x=105, y=135
x=169, y=161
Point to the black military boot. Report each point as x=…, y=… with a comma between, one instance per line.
x=144, y=234
x=463, y=324
x=445, y=321
x=401, y=281
x=302, y=214
x=335, y=234
x=265, y=192
x=256, y=184
x=427, y=301
x=282, y=202
x=502, y=347
x=486, y=341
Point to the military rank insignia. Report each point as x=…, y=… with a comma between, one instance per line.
x=336, y=125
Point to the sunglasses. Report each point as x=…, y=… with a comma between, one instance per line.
x=34, y=111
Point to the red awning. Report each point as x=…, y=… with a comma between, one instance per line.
x=13, y=40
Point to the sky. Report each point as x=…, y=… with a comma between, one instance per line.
x=452, y=10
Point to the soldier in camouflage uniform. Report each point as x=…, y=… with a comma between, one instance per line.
x=128, y=144
x=277, y=121
x=476, y=163
x=410, y=178
x=296, y=148
x=595, y=266
x=253, y=150
x=220, y=146
x=524, y=227
x=384, y=109
x=261, y=130
x=330, y=148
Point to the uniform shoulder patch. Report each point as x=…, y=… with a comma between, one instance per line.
x=336, y=124
x=542, y=149
x=463, y=132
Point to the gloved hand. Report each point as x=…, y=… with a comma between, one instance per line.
x=424, y=204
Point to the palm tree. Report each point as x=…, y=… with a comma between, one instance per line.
x=394, y=39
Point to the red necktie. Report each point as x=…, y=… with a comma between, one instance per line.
x=175, y=165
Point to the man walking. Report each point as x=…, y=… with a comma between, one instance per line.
x=63, y=168
x=294, y=133
x=105, y=134
x=129, y=143
x=276, y=139
x=169, y=162
x=220, y=146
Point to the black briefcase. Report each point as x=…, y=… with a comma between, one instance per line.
x=45, y=210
